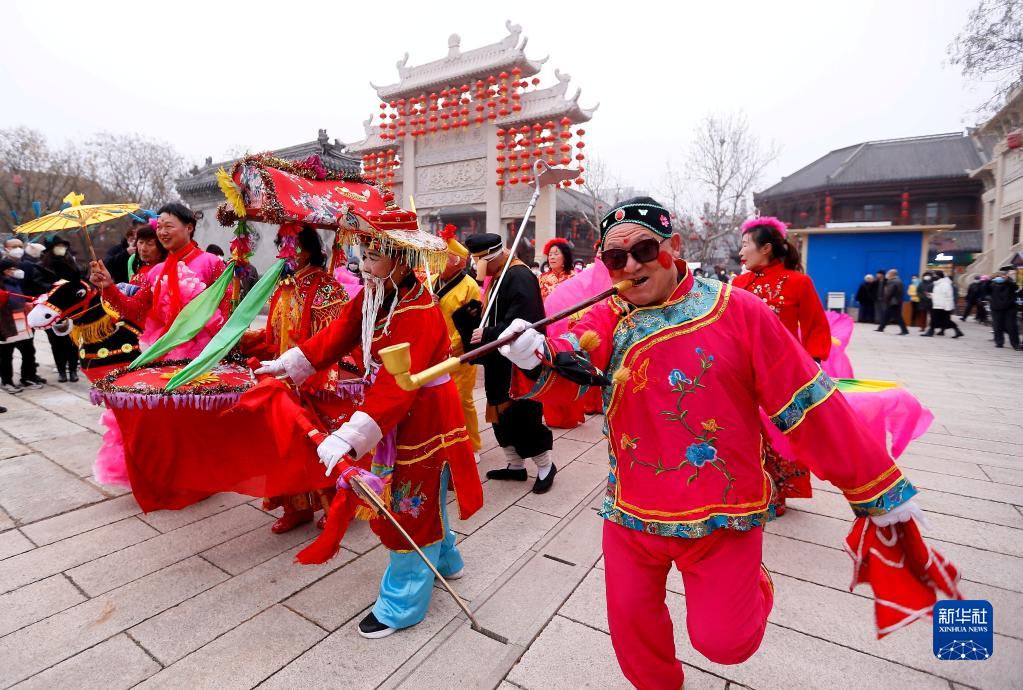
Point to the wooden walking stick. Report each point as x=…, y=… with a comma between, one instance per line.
x=398, y=361
x=371, y=496
x=545, y=175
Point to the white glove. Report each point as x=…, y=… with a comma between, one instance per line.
x=293, y=363
x=331, y=450
x=901, y=513
x=522, y=352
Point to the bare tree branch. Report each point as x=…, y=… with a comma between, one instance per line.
x=990, y=48
x=712, y=195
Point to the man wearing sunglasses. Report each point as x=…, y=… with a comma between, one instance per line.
x=691, y=362
x=518, y=424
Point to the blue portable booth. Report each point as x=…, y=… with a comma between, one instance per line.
x=837, y=258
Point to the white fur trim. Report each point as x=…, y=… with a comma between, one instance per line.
x=297, y=366
x=361, y=432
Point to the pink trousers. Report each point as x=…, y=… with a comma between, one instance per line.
x=728, y=598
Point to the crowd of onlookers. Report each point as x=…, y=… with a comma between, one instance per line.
x=934, y=299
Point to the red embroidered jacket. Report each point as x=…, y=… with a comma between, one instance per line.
x=792, y=296
x=682, y=418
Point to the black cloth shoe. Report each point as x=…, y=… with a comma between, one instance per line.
x=518, y=475
x=73, y=377
x=28, y=383
x=373, y=629
x=542, y=486
x=959, y=334
x=2, y=410
x=36, y=378
x=62, y=377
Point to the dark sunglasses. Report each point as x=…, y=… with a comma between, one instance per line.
x=643, y=251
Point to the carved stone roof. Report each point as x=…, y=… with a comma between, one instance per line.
x=201, y=181
x=460, y=67
x=550, y=104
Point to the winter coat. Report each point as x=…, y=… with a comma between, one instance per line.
x=893, y=291
x=944, y=296
x=1003, y=294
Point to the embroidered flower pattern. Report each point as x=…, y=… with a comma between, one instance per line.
x=405, y=499
x=664, y=221
x=702, y=451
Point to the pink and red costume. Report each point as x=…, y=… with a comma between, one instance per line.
x=687, y=483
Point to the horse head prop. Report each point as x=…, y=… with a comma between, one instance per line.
x=104, y=339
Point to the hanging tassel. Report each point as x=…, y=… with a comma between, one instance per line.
x=326, y=546
x=589, y=341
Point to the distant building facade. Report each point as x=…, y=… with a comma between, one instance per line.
x=900, y=203
x=1002, y=177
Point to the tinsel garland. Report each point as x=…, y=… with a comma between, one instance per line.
x=144, y=396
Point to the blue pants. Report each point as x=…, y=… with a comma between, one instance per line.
x=407, y=583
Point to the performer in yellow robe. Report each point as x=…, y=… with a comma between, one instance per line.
x=458, y=296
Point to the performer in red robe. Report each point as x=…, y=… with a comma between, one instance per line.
x=559, y=258
x=775, y=276
x=419, y=436
x=303, y=304
x=692, y=361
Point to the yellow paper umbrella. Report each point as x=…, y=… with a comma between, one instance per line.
x=77, y=216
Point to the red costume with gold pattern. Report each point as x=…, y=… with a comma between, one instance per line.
x=428, y=423
x=302, y=305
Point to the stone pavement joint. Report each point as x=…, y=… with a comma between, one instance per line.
x=93, y=593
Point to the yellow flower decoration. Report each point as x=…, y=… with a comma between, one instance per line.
x=627, y=442
x=710, y=425
x=202, y=380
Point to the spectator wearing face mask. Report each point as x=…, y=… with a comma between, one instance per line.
x=14, y=331
x=57, y=264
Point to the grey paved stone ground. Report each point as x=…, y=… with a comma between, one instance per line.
x=95, y=594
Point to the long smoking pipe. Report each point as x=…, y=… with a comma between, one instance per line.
x=397, y=359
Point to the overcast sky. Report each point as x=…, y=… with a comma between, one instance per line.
x=216, y=78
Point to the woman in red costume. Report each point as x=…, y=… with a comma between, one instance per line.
x=303, y=304
x=775, y=276
x=559, y=258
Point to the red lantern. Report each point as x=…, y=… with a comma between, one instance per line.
x=579, y=157
x=580, y=181
x=580, y=145
x=536, y=80
x=525, y=167
x=500, y=182
x=499, y=171
x=565, y=160
x=513, y=180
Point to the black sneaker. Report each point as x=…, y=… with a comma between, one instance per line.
x=11, y=388
x=373, y=629
x=35, y=385
x=2, y=409
x=36, y=378
x=62, y=378
x=518, y=475
x=542, y=486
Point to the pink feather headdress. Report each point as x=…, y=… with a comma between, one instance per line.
x=769, y=221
